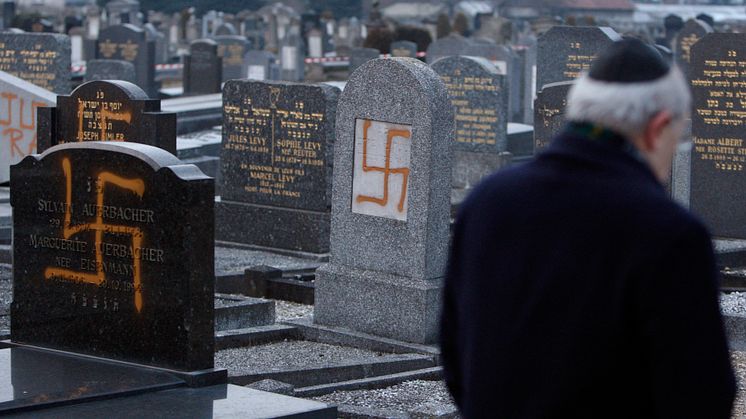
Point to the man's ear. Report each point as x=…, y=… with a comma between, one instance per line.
x=652, y=136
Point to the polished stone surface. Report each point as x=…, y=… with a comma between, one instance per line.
x=31, y=378
x=221, y=401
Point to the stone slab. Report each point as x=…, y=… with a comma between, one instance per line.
x=33, y=379
x=377, y=303
x=221, y=401
x=272, y=227
x=129, y=42
x=237, y=312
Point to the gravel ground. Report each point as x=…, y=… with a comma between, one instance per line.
x=232, y=260
x=285, y=310
x=410, y=396
x=288, y=356
x=733, y=303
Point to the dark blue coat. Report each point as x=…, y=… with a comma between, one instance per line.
x=577, y=289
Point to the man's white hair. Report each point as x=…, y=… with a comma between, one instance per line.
x=627, y=107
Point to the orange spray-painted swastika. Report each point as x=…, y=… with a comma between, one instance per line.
x=99, y=228
x=386, y=170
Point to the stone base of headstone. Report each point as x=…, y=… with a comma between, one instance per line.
x=470, y=168
x=272, y=227
x=381, y=304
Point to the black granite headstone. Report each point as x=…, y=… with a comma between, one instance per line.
x=479, y=95
x=39, y=58
x=277, y=164
x=110, y=70
x=113, y=246
x=549, y=112
x=404, y=49
x=360, y=56
x=203, y=68
x=566, y=51
x=107, y=111
x=690, y=34
x=232, y=48
x=718, y=173
x=452, y=44
x=128, y=42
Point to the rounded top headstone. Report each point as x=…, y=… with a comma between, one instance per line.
x=132, y=91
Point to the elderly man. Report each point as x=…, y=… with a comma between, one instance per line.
x=576, y=288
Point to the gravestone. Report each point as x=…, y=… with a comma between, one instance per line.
x=260, y=65
x=718, y=174
x=360, y=56
x=225, y=29
x=129, y=43
x=404, y=49
x=159, y=40
x=232, y=48
x=315, y=43
x=527, y=71
x=76, y=45
x=479, y=96
x=276, y=164
x=390, y=205
x=113, y=246
x=107, y=111
x=292, y=58
x=487, y=48
x=452, y=44
x=203, y=69
x=566, y=51
x=39, y=58
x=549, y=112
x=690, y=34
x=19, y=102
x=110, y=70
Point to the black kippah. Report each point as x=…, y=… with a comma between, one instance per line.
x=629, y=61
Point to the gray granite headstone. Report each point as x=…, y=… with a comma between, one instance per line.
x=203, y=69
x=566, y=51
x=527, y=67
x=260, y=65
x=453, y=44
x=113, y=246
x=390, y=203
x=276, y=165
x=39, y=58
x=549, y=112
x=404, y=49
x=159, y=39
x=19, y=104
x=111, y=110
x=690, y=34
x=718, y=174
x=292, y=58
x=232, y=48
x=360, y=56
x=479, y=95
x=110, y=70
x=129, y=43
